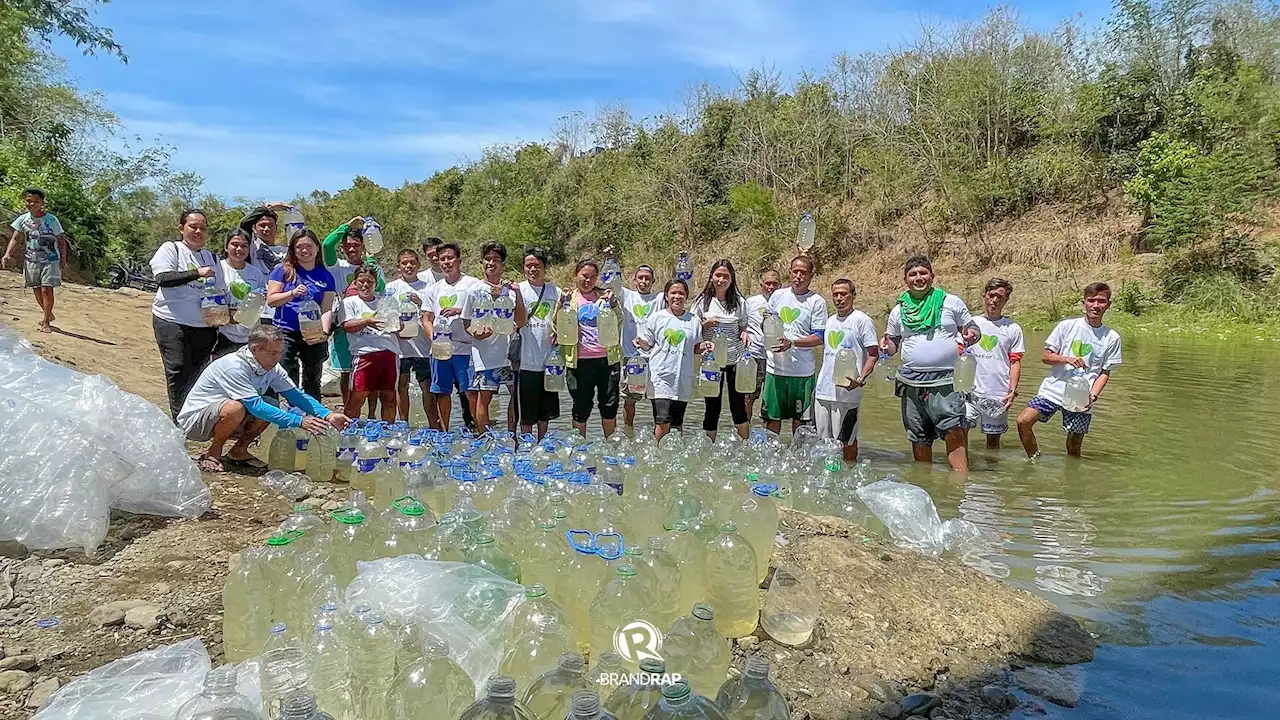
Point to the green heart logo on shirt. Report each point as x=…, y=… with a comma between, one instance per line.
x=789, y=314
x=1081, y=349
x=988, y=342
x=240, y=290
x=674, y=337
x=834, y=339
x=641, y=311
x=448, y=301
x=542, y=310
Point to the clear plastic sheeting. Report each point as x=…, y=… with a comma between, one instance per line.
x=462, y=604
x=911, y=518
x=129, y=451
x=148, y=685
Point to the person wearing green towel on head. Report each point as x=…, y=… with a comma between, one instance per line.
x=932, y=327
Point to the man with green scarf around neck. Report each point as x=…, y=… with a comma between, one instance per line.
x=931, y=327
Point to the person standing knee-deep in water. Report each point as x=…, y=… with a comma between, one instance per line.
x=594, y=368
x=445, y=300
x=838, y=399
x=999, y=362
x=722, y=312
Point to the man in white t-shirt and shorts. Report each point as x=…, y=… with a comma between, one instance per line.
x=1082, y=343
x=838, y=399
x=789, y=377
x=999, y=353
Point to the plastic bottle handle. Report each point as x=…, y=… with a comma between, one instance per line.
x=590, y=547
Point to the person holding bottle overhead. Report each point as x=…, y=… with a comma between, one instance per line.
x=757, y=308
x=183, y=269
x=343, y=252
x=722, y=315
x=638, y=305
x=537, y=406
x=672, y=337
x=376, y=349
x=849, y=352
x=930, y=326
x=999, y=362
x=415, y=350
x=1081, y=353
x=445, y=299
x=302, y=292
x=595, y=362
x=490, y=339
x=243, y=279
x=801, y=315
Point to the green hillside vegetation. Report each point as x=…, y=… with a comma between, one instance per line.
x=1172, y=106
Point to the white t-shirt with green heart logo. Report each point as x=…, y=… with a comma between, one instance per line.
x=1000, y=340
x=442, y=296
x=801, y=317
x=855, y=331
x=672, y=340
x=1099, y=346
x=637, y=309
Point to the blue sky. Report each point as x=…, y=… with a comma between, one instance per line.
x=275, y=98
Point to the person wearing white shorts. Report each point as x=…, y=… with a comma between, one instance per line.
x=999, y=354
x=835, y=411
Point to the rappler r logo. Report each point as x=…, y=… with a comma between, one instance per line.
x=637, y=641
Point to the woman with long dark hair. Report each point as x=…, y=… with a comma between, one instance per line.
x=298, y=279
x=183, y=269
x=722, y=312
x=242, y=277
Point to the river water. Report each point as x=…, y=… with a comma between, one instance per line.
x=1164, y=539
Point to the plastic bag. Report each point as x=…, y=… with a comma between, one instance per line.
x=294, y=486
x=464, y=605
x=147, y=685
x=912, y=519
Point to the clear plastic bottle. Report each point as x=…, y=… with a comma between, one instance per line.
x=965, y=373
x=482, y=310
x=504, y=313
x=635, y=699
x=751, y=695
x=744, y=378
x=554, y=373
x=283, y=454
x=373, y=667
x=387, y=312
x=352, y=541
x=329, y=667
x=696, y=650
x=433, y=686
x=638, y=374
x=282, y=669
x=487, y=554
x=607, y=671
x=690, y=556
x=773, y=330
x=666, y=574
x=417, y=409
x=807, y=233
x=368, y=454
x=410, y=318
x=529, y=614
x=537, y=651
x=708, y=376
x=621, y=602
x=680, y=702
x=548, y=697
x=567, y=321
x=442, y=338
x=720, y=348
x=499, y=703
x=280, y=574
x=611, y=275
x=219, y=700
x=372, y=236
x=301, y=705
x=408, y=528
x=249, y=309
x=846, y=367
x=757, y=519
x=292, y=221
x=607, y=324
x=578, y=584
x=309, y=322
x=214, y=308
x=790, y=607
x=1076, y=395
x=544, y=557
x=732, y=586
x=684, y=268
x=681, y=504
x=585, y=705
x=322, y=455
x=246, y=607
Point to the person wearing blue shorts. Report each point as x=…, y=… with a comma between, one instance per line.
x=446, y=299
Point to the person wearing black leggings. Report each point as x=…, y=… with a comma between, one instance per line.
x=293, y=287
x=722, y=313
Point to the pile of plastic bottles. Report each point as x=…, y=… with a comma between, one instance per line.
x=628, y=554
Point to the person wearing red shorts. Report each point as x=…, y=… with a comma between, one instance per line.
x=376, y=351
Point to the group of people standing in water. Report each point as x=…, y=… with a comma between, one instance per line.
x=672, y=327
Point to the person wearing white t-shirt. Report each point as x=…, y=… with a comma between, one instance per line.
x=376, y=351
x=445, y=299
x=536, y=406
x=721, y=310
x=432, y=272
x=999, y=354
x=638, y=305
x=226, y=400
x=672, y=339
x=757, y=308
x=489, y=356
x=1082, y=343
x=839, y=398
x=415, y=352
x=240, y=278
x=930, y=326
x=789, y=376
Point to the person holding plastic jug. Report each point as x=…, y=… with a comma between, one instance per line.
x=537, y=406
x=801, y=316
x=226, y=401
x=343, y=252
x=302, y=292
x=595, y=362
x=672, y=337
x=246, y=290
x=999, y=362
x=639, y=303
x=722, y=318
x=490, y=339
x=446, y=299
x=1081, y=352
x=374, y=346
x=415, y=343
x=757, y=307
x=929, y=325
x=183, y=269
x=260, y=225
x=849, y=352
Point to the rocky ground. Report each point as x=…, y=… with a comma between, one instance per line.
x=900, y=635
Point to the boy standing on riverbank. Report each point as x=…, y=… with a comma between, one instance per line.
x=1083, y=343
x=46, y=252
x=999, y=354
